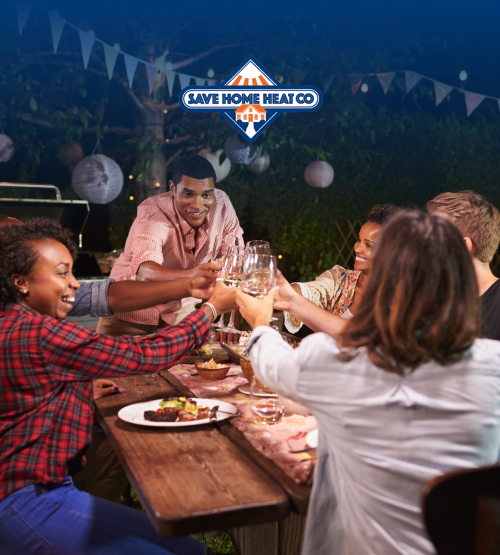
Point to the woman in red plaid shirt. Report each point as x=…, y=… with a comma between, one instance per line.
x=46, y=371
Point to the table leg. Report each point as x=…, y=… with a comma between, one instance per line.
x=282, y=537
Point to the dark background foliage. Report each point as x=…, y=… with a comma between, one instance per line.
x=398, y=148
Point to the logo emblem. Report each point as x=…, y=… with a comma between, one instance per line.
x=250, y=99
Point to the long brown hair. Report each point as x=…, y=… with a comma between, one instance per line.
x=421, y=301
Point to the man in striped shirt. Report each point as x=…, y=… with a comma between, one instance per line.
x=173, y=237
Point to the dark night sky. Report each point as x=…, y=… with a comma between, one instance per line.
x=471, y=28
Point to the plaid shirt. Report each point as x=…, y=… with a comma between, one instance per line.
x=46, y=394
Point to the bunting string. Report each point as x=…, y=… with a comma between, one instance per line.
x=111, y=53
x=441, y=90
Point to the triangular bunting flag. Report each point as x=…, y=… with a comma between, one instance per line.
x=212, y=82
x=57, y=24
x=110, y=55
x=298, y=75
x=412, y=79
x=151, y=71
x=200, y=82
x=87, y=42
x=442, y=91
x=472, y=101
x=130, y=65
x=184, y=79
x=356, y=79
x=170, y=81
x=386, y=80
x=327, y=82
x=23, y=8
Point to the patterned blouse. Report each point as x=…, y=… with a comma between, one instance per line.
x=333, y=290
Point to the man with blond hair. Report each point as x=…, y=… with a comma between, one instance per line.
x=479, y=223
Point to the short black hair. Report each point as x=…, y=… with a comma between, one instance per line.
x=18, y=253
x=380, y=213
x=194, y=166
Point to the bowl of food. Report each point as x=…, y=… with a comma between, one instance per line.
x=211, y=370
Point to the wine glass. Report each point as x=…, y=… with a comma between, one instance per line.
x=221, y=244
x=230, y=275
x=266, y=406
x=259, y=275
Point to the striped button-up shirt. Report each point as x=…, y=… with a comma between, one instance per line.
x=160, y=234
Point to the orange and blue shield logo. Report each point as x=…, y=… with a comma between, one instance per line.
x=250, y=99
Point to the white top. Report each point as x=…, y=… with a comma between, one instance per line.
x=382, y=436
x=347, y=314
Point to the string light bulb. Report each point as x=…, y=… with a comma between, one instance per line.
x=210, y=73
x=157, y=185
x=165, y=111
x=364, y=87
x=131, y=198
x=463, y=75
x=280, y=256
x=167, y=140
x=131, y=177
x=169, y=65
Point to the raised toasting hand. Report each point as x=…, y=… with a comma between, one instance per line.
x=257, y=312
x=285, y=294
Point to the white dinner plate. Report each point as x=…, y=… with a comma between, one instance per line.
x=135, y=413
x=312, y=439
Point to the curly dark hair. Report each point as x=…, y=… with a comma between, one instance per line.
x=18, y=253
x=194, y=166
x=380, y=213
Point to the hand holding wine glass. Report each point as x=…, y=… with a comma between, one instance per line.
x=257, y=312
x=231, y=275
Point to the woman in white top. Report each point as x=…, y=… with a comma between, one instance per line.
x=406, y=392
x=337, y=292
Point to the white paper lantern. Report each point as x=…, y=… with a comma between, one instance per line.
x=319, y=174
x=260, y=164
x=6, y=148
x=221, y=170
x=70, y=154
x=239, y=151
x=97, y=179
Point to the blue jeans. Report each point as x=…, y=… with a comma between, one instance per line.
x=60, y=520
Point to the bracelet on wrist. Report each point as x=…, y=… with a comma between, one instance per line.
x=212, y=308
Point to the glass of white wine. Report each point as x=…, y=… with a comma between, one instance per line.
x=221, y=244
x=259, y=275
x=231, y=275
x=267, y=408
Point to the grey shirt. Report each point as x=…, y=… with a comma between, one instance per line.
x=382, y=436
x=92, y=299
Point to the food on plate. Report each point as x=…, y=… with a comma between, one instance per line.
x=177, y=409
x=212, y=365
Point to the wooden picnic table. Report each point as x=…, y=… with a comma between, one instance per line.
x=204, y=478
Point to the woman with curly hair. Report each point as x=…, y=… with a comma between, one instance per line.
x=46, y=401
x=405, y=393
x=337, y=291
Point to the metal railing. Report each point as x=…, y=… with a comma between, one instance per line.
x=33, y=186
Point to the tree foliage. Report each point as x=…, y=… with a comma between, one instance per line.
x=397, y=148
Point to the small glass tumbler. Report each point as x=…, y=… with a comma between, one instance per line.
x=267, y=408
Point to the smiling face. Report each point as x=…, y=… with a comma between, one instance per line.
x=363, y=246
x=193, y=198
x=51, y=285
